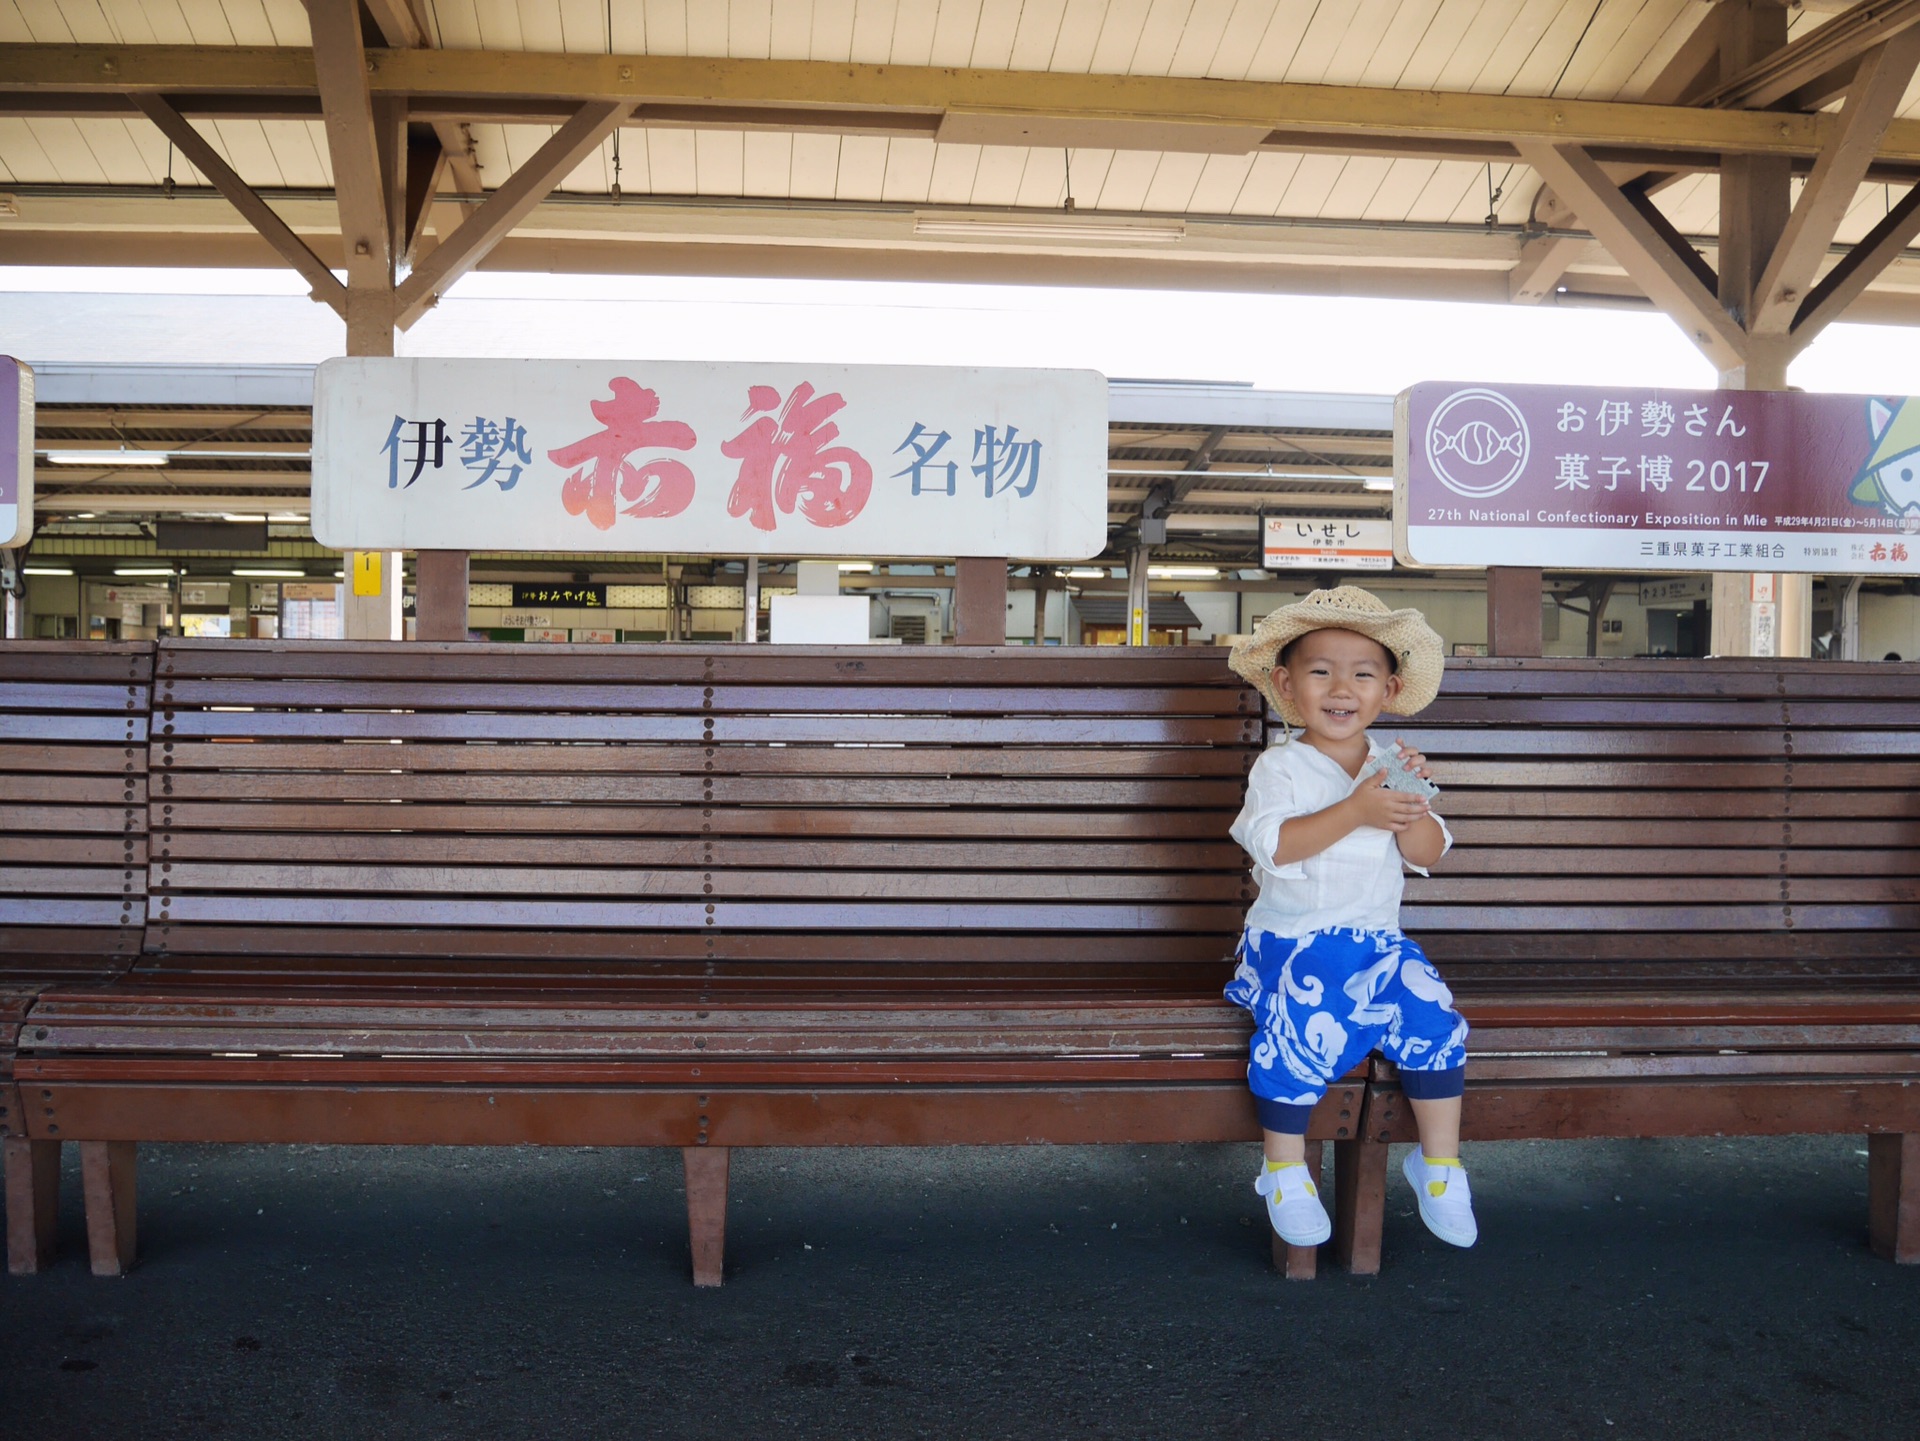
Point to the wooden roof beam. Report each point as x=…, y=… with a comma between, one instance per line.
x=353, y=141
x=430, y=77
x=275, y=231
x=1806, y=63
x=1660, y=261
x=507, y=206
x=1879, y=84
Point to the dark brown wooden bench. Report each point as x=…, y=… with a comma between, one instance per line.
x=73, y=867
x=657, y=896
x=1684, y=901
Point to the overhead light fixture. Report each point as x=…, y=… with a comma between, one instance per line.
x=243, y=518
x=1377, y=482
x=107, y=459
x=133, y=570
x=44, y=570
x=1042, y=226
x=286, y=515
x=1184, y=572
x=1086, y=573
x=271, y=574
x=856, y=567
x=83, y=515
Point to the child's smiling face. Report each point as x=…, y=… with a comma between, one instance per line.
x=1338, y=680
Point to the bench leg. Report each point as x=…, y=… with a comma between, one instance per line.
x=706, y=1168
x=1893, y=1197
x=33, y=1203
x=1359, y=1204
x=1299, y=1263
x=107, y=1170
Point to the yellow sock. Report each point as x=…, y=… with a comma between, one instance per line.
x=1453, y=1161
x=1282, y=1165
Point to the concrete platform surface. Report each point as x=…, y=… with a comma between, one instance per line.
x=1621, y=1289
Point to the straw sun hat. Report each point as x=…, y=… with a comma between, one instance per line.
x=1415, y=645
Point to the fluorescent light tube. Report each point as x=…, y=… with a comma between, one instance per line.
x=107, y=459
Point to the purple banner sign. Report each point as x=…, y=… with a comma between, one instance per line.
x=1686, y=480
x=16, y=451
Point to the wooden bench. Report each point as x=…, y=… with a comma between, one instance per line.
x=477, y=894
x=1684, y=901
x=73, y=868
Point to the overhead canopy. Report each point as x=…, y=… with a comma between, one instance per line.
x=1529, y=150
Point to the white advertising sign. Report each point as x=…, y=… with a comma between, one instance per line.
x=1311, y=542
x=16, y=451
x=709, y=459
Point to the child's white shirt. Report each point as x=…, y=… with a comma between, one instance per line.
x=1355, y=882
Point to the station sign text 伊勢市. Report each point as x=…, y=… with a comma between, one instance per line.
x=1621, y=479
x=709, y=459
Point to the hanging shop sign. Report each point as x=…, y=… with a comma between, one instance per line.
x=708, y=459
x=571, y=596
x=16, y=451
x=1656, y=480
x=1304, y=542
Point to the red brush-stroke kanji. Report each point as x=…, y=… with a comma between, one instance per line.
x=790, y=460
x=600, y=467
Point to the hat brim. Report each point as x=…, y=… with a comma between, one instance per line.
x=1417, y=650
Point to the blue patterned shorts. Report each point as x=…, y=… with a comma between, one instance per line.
x=1321, y=1002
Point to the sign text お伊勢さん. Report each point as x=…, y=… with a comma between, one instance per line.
x=1655, y=480
x=709, y=459
x=1290, y=542
x=16, y=451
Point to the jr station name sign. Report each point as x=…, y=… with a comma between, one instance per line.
x=709, y=459
x=1652, y=480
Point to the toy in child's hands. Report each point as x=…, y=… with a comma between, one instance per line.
x=1399, y=776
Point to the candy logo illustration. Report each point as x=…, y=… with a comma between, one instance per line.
x=1891, y=477
x=1477, y=443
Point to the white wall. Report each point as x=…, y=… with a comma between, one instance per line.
x=1889, y=623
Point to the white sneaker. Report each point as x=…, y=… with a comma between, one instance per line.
x=1293, y=1205
x=1446, y=1200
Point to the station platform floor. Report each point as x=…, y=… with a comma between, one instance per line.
x=1620, y=1289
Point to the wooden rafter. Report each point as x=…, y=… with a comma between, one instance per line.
x=275, y=231
x=1879, y=83
x=340, y=73
x=1629, y=227
x=1845, y=283
x=506, y=206
x=1809, y=62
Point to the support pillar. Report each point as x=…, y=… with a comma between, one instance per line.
x=706, y=1171
x=750, y=602
x=370, y=595
x=440, y=595
x=1139, y=607
x=33, y=1202
x=1757, y=615
x=1359, y=1203
x=1846, y=618
x=107, y=1174
x=1514, y=596
x=980, y=601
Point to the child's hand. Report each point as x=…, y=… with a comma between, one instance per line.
x=1413, y=760
x=1384, y=809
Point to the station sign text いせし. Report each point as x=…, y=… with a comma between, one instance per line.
x=709, y=459
x=1653, y=480
x=1311, y=542
x=16, y=451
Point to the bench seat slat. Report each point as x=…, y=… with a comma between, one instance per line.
x=903, y=821
x=981, y=792
x=506, y=693
x=535, y=758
